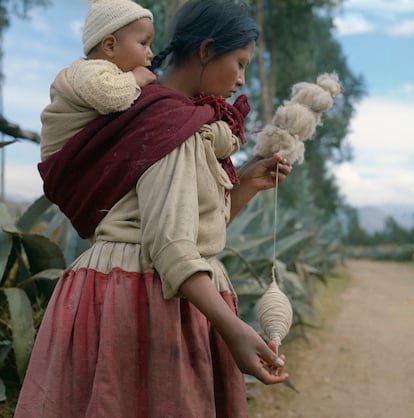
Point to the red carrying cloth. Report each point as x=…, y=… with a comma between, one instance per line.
x=104, y=161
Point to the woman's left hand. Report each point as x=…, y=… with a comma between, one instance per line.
x=256, y=175
x=261, y=173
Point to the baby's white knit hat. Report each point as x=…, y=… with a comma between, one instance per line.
x=107, y=16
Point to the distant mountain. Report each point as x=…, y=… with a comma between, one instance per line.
x=373, y=218
x=16, y=208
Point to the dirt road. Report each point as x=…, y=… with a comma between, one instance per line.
x=360, y=364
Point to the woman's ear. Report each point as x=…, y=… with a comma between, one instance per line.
x=108, y=45
x=206, y=51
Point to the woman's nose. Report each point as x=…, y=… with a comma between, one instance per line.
x=241, y=80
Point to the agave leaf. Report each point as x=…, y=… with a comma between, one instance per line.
x=21, y=321
x=42, y=253
x=298, y=238
x=245, y=263
x=57, y=220
x=302, y=310
x=290, y=385
x=5, y=347
x=6, y=241
x=33, y=213
x=75, y=246
x=3, y=396
x=49, y=274
x=248, y=242
x=249, y=292
x=308, y=270
x=42, y=283
x=241, y=223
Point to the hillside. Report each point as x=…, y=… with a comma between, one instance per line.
x=373, y=218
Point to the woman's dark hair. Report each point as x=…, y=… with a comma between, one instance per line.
x=228, y=22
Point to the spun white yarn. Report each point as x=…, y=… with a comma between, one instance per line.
x=275, y=313
x=293, y=123
x=296, y=120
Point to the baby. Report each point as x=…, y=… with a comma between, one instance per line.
x=117, y=38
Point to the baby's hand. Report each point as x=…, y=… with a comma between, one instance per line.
x=143, y=76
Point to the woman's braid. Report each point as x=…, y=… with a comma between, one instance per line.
x=160, y=57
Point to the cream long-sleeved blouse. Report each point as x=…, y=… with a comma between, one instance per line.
x=178, y=211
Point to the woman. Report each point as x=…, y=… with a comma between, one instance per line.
x=144, y=323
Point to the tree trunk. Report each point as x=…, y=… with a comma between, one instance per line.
x=265, y=100
x=170, y=9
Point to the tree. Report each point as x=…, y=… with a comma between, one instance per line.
x=8, y=8
x=355, y=234
x=265, y=100
x=298, y=38
x=163, y=12
x=297, y=44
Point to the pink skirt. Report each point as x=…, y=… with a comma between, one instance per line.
x=110, y=346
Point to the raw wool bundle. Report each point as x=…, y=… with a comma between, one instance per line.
x=296, y=120
x=292, y=124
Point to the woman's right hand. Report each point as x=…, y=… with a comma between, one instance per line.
x=253, y=356
x=248, y=349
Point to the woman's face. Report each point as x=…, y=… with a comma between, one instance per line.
x=224, y=75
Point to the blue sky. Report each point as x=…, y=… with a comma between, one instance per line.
x=377, y=37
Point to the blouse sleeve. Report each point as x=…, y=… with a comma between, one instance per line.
x=169, y=208
x=103, y=86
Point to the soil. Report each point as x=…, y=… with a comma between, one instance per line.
x=360, y=362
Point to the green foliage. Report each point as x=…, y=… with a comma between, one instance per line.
x=21, y=322
x=393, y=234
x=158, y=9
x=299, y=46
x=30, y=263
x=398, y=253
x=18, y=8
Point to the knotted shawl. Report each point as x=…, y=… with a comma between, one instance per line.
x=104, y=161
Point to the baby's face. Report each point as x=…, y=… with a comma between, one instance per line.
x=134, y=42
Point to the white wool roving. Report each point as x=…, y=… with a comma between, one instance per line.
x=292, y=124
x=296, y=120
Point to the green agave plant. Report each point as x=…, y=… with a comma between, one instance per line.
x=31, y=261
x=302, y=251
x=30, y=264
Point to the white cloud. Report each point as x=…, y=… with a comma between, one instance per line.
x=383, y=123
x=352, y=24
x=38, y=22
x=382, y=135
x=381, y=6
x=76, y=26
x=408, y=88
x=402, y=29
x=388, y=188
x=393, y=18
x=23, y=182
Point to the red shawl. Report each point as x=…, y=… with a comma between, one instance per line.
x=103, y=162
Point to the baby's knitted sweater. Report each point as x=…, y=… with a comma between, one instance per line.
x=79, y=94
